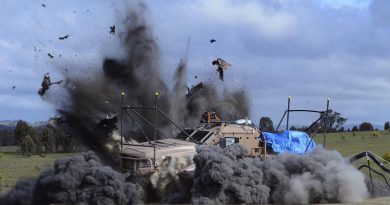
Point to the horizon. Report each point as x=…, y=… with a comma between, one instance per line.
x=308, y=50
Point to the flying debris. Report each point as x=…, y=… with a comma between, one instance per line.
x=110, y=122
x=194, y=89
x=13, y=87
x=46, y=83
x=43, y=5
x=63, y=37
x=112, y=29
x=105, y=128
x=56, y=120
x=222, y=65
x=213, y=40
x=111, y=5
x=50, y=55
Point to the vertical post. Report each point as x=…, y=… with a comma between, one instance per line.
x=123, y=94
x=369, y=171
x=326, y=121
x=155, y=129
x=288, y=112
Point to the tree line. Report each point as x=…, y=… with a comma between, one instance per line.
x=38, y=140
x=334, y=123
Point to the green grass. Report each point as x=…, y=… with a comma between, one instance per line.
x=14, y=166
x=6, y=149
x=349, y=144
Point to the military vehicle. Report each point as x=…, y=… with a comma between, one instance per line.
x=146, y=157
x=152, y=160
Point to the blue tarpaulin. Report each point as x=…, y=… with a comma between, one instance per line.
x=289, y=141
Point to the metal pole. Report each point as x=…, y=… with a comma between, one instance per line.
x=155, y=130
x=281, y=120
x=288, y=113
x=122, y=120
x=369, y=171
x=326, y=121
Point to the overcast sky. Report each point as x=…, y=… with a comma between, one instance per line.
x=309, y=50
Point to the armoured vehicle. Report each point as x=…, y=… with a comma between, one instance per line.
x=146, y=158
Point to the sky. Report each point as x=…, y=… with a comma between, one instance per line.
x=309, y=50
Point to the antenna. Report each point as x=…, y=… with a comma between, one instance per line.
x=122, y=94
x=288, y=112
x=155, y=129
x=326, y=121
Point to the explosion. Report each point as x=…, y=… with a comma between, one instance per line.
x=221, y=175
x=95, y=95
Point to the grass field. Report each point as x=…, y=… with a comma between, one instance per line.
x=349, y=144
x=14, y=166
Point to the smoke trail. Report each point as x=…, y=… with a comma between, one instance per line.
x=75, y=180
x=225, y=176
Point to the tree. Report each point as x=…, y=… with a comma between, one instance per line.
x=7, y=136
x=387, y=125
x=64, y=142
x=341, y=129
x=293, y=128
x=28, y=146
x=355, y=129
x=22, y=129
x=266, y=124
x=48, y=139
x=334, y=120
x=366, y=126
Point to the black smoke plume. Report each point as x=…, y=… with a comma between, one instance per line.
x=74, y=180
x=92, y=96
x=225, y=176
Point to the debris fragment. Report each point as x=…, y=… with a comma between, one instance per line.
x=63, y=37
x=222, y=65
x=112, y=29
x=111, y=5
x=196, y=77
x=108, y=124
x=43, y=5
x=213, y=40
x=46, y=83
x=194, y=89
x=50, y=55
x=13, y=87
